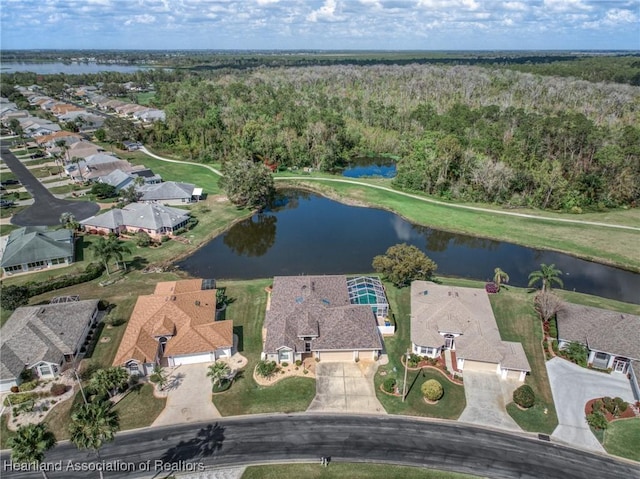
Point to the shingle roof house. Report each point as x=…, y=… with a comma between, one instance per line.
x=460, y=322
x=156, y=220
x=313, y=316
x=169, y=192
x=34, y=247
x=43, y=338
x=173, y=326
x=613, y=338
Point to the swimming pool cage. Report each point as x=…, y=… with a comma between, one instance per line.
x=369, y=290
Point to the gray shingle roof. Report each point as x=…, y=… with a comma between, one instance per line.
x=318, y=307
x=35, y=243
x=139, y=215
x=42, y=333
x=600, y=329
x=117, y=178
x=169, y=190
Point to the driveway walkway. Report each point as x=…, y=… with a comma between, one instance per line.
x=188, y=396
x=487, y=396
x=572, y=386
x=346, y=387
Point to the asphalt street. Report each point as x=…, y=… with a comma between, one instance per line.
x=450, y=446
x=46, y=209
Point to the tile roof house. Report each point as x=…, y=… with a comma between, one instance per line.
x=43, y=338
x=34, y=248
x=170, y=192
x=312, y=316
x=173, y=326
x=152, y=218
x=459, y=322
x=612, y=338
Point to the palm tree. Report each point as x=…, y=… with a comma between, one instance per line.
x=500, y=277
x=548, y=275
x=118, y=249
x=217, y=372
x=69, y=221
x=160, y=376
x=109, y=249
x=30, y=444
x=92, y=425
x=76, y=161
x=109, y=380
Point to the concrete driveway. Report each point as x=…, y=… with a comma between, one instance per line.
x=487, y=396
x=572, y=386
x=346, y=387
x=188, y=395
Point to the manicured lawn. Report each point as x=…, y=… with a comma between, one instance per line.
x=245, y=396
x=139, y=408
x=453, y=402
x=7, y=212
x=145, y=97
x=518, y=321
x=622, y=438
x=589, y=242
x=341, y=470
x=5, y=433
x=47, y=172
x=6, y=229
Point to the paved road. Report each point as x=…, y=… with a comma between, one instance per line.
x=305, y=438
x=46, y=209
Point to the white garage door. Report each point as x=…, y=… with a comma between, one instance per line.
x=192, y=359
x=336, y=356
x=480, y=366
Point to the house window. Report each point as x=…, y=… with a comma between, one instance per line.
x=45, y=370
x=133, y=367
x=307, y=346
x=601, y=356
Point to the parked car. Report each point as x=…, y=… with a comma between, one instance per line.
x=9, y=182
x=6, y=203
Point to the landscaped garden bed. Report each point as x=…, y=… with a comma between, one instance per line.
x=306, y=368
x=431, y=363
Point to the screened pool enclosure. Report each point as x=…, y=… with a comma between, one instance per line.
x=369, y=290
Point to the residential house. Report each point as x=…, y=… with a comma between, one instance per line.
x=150, y=116
x=174, y=326
x=132, y=145
x=612, y=338
x=459, y=323
x=313, y=316
x=83, y=149
x=154, y=219
x=34, y=248
x=34, y=126
x=43, y=339
x=170, y=192
x=123, y=179
x=50, y=140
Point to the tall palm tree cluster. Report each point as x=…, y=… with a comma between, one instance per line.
x=109, y=249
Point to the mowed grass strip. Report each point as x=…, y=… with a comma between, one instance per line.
x=245, y=396
x=622, y=438
x=139, y=408
x=340, y=470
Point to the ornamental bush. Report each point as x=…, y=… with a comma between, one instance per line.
x=491, y=287
x=432, y=390
x=58, y=389
x=597, y=420
x=616, y=406
x=266, y=369
x=414, y=360
x=389, y=385
x=524, y=396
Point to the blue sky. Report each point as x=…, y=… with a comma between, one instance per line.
x=321, y=24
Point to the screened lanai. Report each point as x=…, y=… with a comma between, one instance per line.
x=369, y=290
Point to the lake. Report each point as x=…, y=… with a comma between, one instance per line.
x=304, y=233
x=363, y=167
x=45, y=68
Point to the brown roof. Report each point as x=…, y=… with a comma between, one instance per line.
x=180, y=309
x=58, y=134
x=437, y=310
x=318, y=307
x=600, y=329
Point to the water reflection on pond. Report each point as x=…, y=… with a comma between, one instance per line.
x=364, y=167
x=308, y=234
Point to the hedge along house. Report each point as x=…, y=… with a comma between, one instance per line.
x=173, y=326
x=312, y=316
x=44, y=339
x=459, y=323
x=612, y=338
x=34, y=247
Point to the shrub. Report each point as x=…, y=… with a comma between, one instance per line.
x=389, y=385
x=298, y=362
x=164, y=239
x=615, y=406
x=597, y=420
x=524, y=396
x=266, y=369
x=432, y=390
x=26, y=374
x=89, y=370
x=491, y=287
x=285, y=364
x=414, y=360
x=577, y=353
x=19, y=398
x=143, y=239
x=29, y=385
x=58, y=389
x=15, y=389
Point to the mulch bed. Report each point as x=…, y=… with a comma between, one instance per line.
x=439, y=366
x=628, y=414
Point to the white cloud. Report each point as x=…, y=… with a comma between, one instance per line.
x=566, y=5
x=141, y=19
x=266, y=2
x=326, y=12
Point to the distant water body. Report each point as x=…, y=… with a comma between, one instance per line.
x=51, y=68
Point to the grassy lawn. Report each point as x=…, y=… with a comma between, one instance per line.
x=350, y=470
x=6, y=229
x=8, y=212
x=5, y=433
x=46, y=172
x=145, y=98
x=59, y=190
x=139, y=408
x=622, y=438
x=518, y=321
x=589, y=242
x=245, y=396
x=453, y=402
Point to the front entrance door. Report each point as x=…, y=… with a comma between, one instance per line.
x=448, y=341
x=620, y=365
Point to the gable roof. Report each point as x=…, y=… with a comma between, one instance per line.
x=180, y=310
x=42, y=333
x=318, y=307
x=600, y=329
x=139, y=215
x=36, y=243
x=169, y=190
x=117, y=178
x=437, y=310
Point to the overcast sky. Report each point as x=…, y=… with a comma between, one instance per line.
x=321, y=24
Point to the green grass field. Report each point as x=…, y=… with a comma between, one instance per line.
x=622, y=438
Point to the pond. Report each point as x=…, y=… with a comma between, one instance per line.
x=304, y=233
x=363, y=167
x=49, y=68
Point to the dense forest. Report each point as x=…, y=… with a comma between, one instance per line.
x=471, y=133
